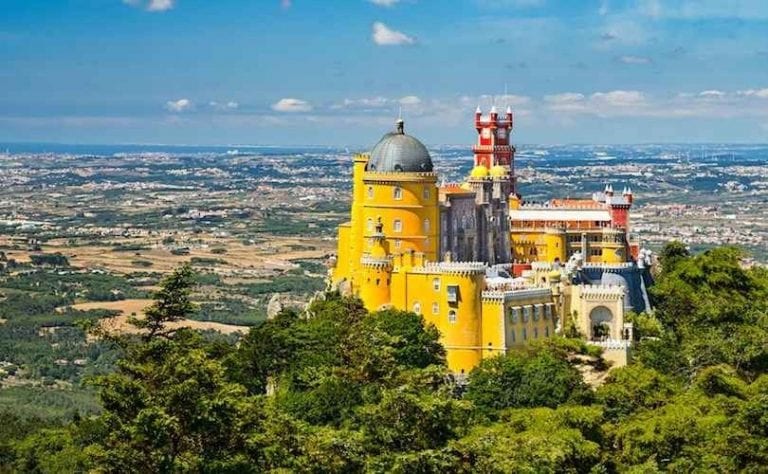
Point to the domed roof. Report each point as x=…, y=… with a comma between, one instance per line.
x=498, y=171
x=613, y=279
x=479, y=171
x=399, y=152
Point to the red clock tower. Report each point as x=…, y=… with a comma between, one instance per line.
x=493, y=146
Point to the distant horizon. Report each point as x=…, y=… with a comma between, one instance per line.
x=7, y=144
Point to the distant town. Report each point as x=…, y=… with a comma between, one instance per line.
x=178, y=201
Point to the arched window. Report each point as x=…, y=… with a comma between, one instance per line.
x=435, y=308
x=436, y=284
x=452, y=317
x=370, y=192
x=426, y=226
x=397, y=192
x=397, y=243
x=369, y=225
x=397, y=226
x=417, y=307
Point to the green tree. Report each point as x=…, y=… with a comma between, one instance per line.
x=172, y=303
x=629, y=389
x=533, y=440
x=536, y=378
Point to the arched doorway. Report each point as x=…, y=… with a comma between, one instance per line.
x=600, y=323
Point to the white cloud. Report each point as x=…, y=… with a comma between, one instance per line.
x=565, y=97
x=181, y=105
x=385, y=3
x=152, y=5
x=711, y=94
x=629, y=103
x=291, y=105
x=566, y=102
x=619, y=98
x=761, y=93
x=363, y=103
x=635, y=59
x=382, y=35
x=224, y=106
x=409, y=100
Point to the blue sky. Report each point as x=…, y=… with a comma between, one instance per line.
x=337, y=72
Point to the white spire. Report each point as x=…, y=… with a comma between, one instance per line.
x=493, y=109
x=509, y=109
x=477, y=110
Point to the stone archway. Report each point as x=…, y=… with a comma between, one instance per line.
x=601, y=323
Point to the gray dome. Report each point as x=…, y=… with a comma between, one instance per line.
x=399, y=152
x=613, y=279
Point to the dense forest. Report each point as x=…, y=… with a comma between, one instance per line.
x=339, y=389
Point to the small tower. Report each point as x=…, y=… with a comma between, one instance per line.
x=376, y=272
x=493, y=146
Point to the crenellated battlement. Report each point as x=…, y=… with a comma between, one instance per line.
x=388, y=176
x=515, y=295
x=375, y=262
x=455, y=268
x=602, y=291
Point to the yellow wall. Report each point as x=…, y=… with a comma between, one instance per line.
x=493, y=341
x=342, y=269
x=375, y=285
x=603, y=245
x=417, y=212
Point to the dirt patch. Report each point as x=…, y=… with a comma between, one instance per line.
x=136, y=307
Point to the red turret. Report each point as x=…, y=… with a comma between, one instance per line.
x=493, y=142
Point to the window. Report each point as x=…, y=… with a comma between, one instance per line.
x=526, y=313
x=512, y=336
x=436, y=284
x=525, y=334
x=452, y=317
x=546, y=331
x=397, y=192
x=535, y=333
x=417, y=307
x=453, y=293
x=397, y=243
x=537, y=311
x=435, y=308
x=514, y=315
x=426, y=192
x=370, y=192
x=397, y=226
x=548, y=311
x=369, y=225
x=426, y=226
